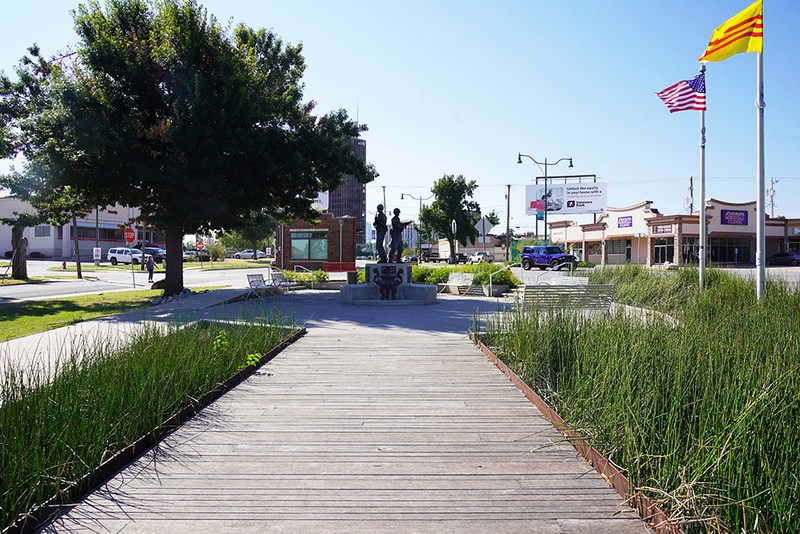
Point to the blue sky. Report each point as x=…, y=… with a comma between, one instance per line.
x=460, y=87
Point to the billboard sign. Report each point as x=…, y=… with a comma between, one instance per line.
x=565, y=198
x=320, y=202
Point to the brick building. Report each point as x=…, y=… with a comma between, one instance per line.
x=329, y=245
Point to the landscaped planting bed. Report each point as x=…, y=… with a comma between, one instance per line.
x=701, y=413
x=57, y=429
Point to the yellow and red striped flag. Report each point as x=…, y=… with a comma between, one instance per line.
x=744, y=32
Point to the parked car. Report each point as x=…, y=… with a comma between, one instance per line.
x=784, y=258
x=544, y=257
x=196, y=255
x=478, y=257
x=248, y=254
x=124, y=255
x=158, y=254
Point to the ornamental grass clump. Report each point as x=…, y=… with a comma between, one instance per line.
x=56, y=427
x=702, y=413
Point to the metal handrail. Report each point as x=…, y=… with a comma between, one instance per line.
x=306, y=269
x=500, y=270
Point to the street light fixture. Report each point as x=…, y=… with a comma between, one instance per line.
x=546, y=164
x=419, y=241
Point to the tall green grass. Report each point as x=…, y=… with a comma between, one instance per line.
x=57, y=427
x=704, y=416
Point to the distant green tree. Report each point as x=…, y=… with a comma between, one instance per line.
x=254, y=227
x=162, y=108
x=452, y=204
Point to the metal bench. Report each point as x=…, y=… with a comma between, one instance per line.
x=257, y=282
x=569, y=297
x=278, y=280
x=261, y=287
x=458, y=283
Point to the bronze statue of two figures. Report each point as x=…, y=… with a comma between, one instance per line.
x=396, y=243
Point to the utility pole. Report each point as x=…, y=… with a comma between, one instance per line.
x=508, y=222
x=771, y=193
x=384, y=198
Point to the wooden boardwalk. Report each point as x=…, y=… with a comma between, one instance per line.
x=359, y=429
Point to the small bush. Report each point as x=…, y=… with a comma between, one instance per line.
x=36, y=254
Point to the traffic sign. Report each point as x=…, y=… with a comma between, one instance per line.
x=130, y=235
x=483, y=226
x=200, y=245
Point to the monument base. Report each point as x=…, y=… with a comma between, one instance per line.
x=370, y=294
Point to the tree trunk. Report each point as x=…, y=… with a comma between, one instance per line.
x=77, y=246
x=19, y=264
x=174, y=279
x=255, y=250
x=452, y=251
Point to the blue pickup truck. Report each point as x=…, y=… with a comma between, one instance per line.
x=544, y=257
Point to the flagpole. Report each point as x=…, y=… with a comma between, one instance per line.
x=760, y=213
x=703, y=229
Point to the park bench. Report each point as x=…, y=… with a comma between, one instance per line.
x=458, y=283
x=569, y=297
x=260, y=286
x=257, y=282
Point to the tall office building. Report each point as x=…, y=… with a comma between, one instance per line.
x=351, y=197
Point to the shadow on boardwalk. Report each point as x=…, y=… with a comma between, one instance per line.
x=380, y=419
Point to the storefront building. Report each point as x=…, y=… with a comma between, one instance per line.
x=641, y=234
x=102, y=227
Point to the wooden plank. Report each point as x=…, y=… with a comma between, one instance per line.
x=341, y=434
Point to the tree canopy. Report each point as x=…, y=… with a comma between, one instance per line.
x=162, y=108
x=452, y=203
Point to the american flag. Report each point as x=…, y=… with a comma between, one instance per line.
x=685, y=95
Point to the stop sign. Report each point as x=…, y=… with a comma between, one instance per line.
x=200, y=245
x=130, y=235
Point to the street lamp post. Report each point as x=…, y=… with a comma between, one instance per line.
x=546, y=164
x=419, y=242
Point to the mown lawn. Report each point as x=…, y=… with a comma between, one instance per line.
x=18, y=319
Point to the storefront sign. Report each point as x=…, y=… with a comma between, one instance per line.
x=795, y=231
x=566, y=198
x=625, y=222
x=737, y=217
x=662, y=229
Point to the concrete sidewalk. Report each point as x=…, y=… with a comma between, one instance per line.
x=378, y=420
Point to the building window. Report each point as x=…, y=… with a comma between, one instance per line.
x=619, y=246
x=309, y=245
x=43, y=230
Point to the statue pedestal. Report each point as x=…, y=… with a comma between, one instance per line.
x=399, y=271
x=369, y=294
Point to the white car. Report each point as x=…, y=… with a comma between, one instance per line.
x=124, y=255
x=478, y=257
x=248, y=255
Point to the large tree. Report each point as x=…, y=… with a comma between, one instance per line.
x=162, y=108
x=453, y=203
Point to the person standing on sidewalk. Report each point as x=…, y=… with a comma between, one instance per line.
x=150, y=266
